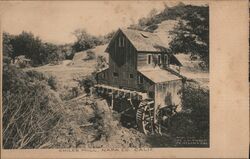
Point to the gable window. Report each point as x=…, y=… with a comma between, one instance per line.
x=115, y=74
x=159, y=59
x=131, y=76
x=140, y=79
x=149, y=59
x=121, y=42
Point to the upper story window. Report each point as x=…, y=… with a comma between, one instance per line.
x=121, y=42
x=149, y=59
x=115, y=74
x=140, y=79
x=131, y=76
x=159, y=59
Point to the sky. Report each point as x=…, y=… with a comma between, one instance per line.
x=55, y=21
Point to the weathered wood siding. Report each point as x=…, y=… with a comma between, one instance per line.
x=142, y=60
x=147, y=86
x=122, y=60
x=168, y=93
x=103, y=77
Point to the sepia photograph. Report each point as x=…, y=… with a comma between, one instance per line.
x=105, y=74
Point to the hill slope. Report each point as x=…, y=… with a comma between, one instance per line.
x=81, y=58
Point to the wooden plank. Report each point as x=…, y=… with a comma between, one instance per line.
x=118, y=90
x=123, y=68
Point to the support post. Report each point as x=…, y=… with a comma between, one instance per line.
x=112, y=100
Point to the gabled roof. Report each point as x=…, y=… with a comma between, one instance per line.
x=144, y=41
x=158, y=75
x=141, y=40
x=149, y=42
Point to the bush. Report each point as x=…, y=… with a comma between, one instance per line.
x=35, y=76
x=30, y=109
x=33, y=48
x=52, y=82
x=193, y=120
x=101, y=62
x=84, y=40
x=90, y=55
x=86, y=83
x=22, y=65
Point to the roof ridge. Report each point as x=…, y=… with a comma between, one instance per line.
x=143, y=31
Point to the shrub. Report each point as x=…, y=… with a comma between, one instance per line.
x=30, y=109
x=49, y=80
x=86, y=83
x=34, y=76
x=52, y=82
x=193, y=121
x=90, y=55
x=101, y=63
x=84, y=40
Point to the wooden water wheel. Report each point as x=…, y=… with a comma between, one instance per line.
x=145, y=117
x=163, y=118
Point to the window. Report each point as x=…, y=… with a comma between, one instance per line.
x=121, y=42
x=104, y=74
x=131, y=76
x=149, y=59
x=159, y=59
x=151, y=94
x=140, y=80
x=166, y=59
x=115, y=74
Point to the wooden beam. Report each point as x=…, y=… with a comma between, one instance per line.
x=112, y=101
x=144, y=95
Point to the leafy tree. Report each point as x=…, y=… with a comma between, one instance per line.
x=66, y=51
x=50, y=53
x=192, y=34
x=32, y=48
x=29, y=45
x=84, y=40
x=7, y=47
x=108, y=37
